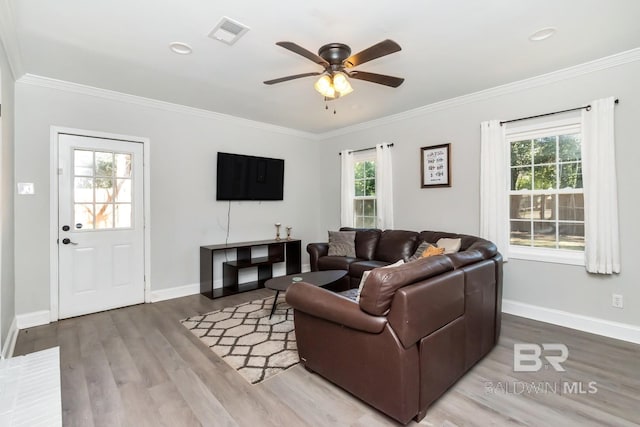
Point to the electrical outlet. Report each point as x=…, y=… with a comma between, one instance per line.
x=617, y=301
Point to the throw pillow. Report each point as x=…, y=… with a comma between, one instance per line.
x=366, y=274
x=431, y=251
x=450, y=246
x=418, y=253
x=342, y=243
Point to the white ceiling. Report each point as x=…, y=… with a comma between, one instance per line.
x=449, y=48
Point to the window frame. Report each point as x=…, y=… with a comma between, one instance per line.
x=365, y=156
x=541, y=129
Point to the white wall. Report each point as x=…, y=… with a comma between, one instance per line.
x=553, y=286
x=184, y=212
x=7, y=282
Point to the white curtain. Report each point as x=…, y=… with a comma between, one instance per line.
x=494, y=185
x=602, y=245
x=348, y=187
x=384, y=186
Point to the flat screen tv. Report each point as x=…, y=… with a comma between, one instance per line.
x=243, y=177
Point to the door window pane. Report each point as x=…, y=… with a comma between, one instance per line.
x=104, y=216
x=83, y=162
x=123, y=165
x=83, y=214
x=97, y=190
x=104, y=190
x=104, y=164
x=123, y=216
x=123, y=191
x=83, y=190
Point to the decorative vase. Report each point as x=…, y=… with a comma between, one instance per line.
x=289, y=233
x=278, y=231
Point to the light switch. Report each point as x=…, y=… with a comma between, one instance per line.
x=26, y=188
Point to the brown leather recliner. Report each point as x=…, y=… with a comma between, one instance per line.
x=416, y=329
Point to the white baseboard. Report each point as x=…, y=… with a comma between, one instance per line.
x=177, y=292
x=36, y=318
x=607, y=328
x=192, y=289
x=10, y=342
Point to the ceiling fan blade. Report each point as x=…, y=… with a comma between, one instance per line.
x=304, y=52
x=284, y=79
x=383, y=48
x=376, y=78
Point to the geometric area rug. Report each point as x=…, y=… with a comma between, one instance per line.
x=245, y=338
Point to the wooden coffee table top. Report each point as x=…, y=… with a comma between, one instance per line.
x=318, y=278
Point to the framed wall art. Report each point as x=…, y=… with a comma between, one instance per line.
x=435, y=166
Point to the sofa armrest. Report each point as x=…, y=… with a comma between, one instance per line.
x=327, y=305
x=316, y=250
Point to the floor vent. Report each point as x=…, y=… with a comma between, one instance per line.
x=30, y=394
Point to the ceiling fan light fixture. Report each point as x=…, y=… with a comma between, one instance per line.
x=341, y=83
x=333, y=86
x=324, y=86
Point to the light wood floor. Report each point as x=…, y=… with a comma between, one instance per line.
x=138, y=366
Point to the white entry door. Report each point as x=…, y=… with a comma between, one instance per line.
x=100, y=226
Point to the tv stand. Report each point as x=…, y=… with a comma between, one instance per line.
x=287, y=251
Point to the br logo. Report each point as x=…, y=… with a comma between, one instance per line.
x=527, y=357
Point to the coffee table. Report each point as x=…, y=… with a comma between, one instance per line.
x=317, y=278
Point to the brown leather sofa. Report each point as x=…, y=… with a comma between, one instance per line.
x=416, y=329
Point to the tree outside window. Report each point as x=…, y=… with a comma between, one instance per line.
x=546, y=192
x=365, y=209
x=102, y=189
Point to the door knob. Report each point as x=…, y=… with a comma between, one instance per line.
x=67, y=241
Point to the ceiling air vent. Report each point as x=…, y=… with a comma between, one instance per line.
x=228, y=31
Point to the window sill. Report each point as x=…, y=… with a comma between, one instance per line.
x=556, y=256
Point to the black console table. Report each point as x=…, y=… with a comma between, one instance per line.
x=287, y=251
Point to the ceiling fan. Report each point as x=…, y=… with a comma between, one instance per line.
x=337, y=61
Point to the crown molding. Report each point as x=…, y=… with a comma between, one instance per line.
x=9, y=39
x=541, y=80
x=47, y=82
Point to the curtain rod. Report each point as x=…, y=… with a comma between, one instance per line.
x=588, y=107
x=365, y=149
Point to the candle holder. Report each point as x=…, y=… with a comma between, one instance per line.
x=278, y=231
x=289, y=233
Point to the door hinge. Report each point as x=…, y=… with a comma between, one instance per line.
x=59, y=171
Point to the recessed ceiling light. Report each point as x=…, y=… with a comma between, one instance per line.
x=180, y=48
x=542, y=34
